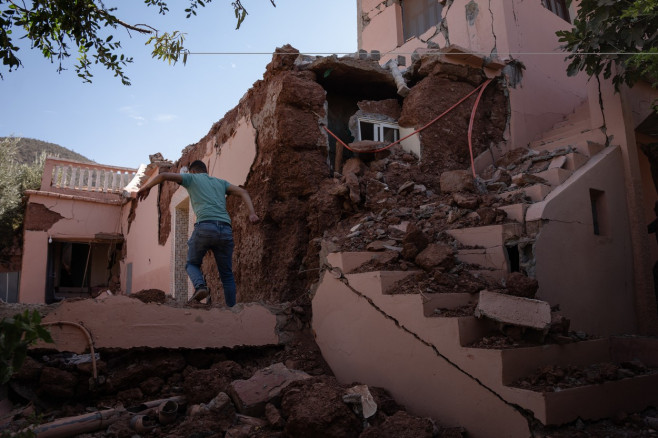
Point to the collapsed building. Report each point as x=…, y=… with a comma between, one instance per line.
x=451, y=214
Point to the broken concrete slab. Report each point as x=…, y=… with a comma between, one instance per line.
x=513, y=310
x=251, y=396
x=118, y=321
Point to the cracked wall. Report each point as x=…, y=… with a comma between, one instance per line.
x=61, y=218
x=421, y=375
x=517, y=32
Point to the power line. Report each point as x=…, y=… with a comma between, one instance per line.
x=423, y=53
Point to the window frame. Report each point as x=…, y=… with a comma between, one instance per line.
x=378, y=129
x=559, y=8
x=410, y=31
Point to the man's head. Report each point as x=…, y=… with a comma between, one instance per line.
x=198, y=166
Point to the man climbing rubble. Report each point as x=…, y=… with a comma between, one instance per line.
x=212, y=230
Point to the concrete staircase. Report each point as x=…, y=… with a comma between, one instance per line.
x=369, y=333
x=551, y=163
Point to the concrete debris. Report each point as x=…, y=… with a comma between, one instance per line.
x=250, y=396
x=506, y=309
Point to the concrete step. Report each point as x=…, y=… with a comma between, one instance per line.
x=490, y=258
x=535, y=192
x=555, y=176
x=446, y=301
x=516, y=212
x=358, y=335
x=488, y=236
x=575, y=160
x=587, y=143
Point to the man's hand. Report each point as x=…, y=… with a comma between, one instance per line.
x=143, y=193
x=253, y=217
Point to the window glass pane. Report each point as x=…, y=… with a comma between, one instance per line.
x=367, y=130
x=390, y=134
x=418, y=16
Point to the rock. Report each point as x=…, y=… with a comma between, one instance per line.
x=457, y=181
x=401, y=425
x=435, y=255
x=315, y=408
x=520, y=285
x=366, y=405
x=57, y=383
x=379, y=245
x=366, y=145
x=466, y=200
x=406, y=187
x=527, y=179
x=502, y=176
x=487, y=215
x=251, y=396
x=413, y=243
x=274, y=416
x=355, y=166
x=352, y=182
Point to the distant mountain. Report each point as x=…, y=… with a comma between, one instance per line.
x=29, y=149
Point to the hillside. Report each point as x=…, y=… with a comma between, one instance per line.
x=29, y=149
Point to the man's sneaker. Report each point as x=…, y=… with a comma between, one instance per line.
x=199, y=294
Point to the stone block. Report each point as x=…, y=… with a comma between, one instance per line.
x=251, y=396
x=509, y=309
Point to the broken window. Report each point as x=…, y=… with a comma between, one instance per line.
x=377, y=130
x=558, y=7
x=599, y=217
x=78, y=269
x=418, y=16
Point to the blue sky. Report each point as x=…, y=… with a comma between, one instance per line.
x=167, y=107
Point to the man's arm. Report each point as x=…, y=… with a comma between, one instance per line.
x=239, y=191
x=167, y=176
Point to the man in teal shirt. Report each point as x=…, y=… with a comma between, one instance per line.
x=212, y=230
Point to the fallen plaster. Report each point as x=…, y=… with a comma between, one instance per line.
x=118, y=321
x=40, y=218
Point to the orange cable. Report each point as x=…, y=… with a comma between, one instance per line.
x=481, y=86
x=470, y=125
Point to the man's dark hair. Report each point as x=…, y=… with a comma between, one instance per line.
x=198, y=166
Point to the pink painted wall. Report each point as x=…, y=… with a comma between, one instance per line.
x=81, y=221
x=149, y=260
x=152, y=264
x=516, y=30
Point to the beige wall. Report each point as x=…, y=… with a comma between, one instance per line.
x=589, y=276
x=81, y=221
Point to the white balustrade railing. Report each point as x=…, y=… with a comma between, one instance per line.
x=72, y=175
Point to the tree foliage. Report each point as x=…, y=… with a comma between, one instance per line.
x=16, y=335
x=86, y=29
x=15, y=178
x=619, y=33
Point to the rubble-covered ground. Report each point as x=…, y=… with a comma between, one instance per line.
x=389, y=203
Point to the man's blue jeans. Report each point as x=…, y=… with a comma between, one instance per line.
x=218, y=237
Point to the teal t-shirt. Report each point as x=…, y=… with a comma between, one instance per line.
x=207, y=196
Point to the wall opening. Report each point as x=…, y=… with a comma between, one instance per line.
x=599, y=212
x=558, y=7
x=513, y=258
x=80, y=269
x=378, y=131
x=418, y=16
